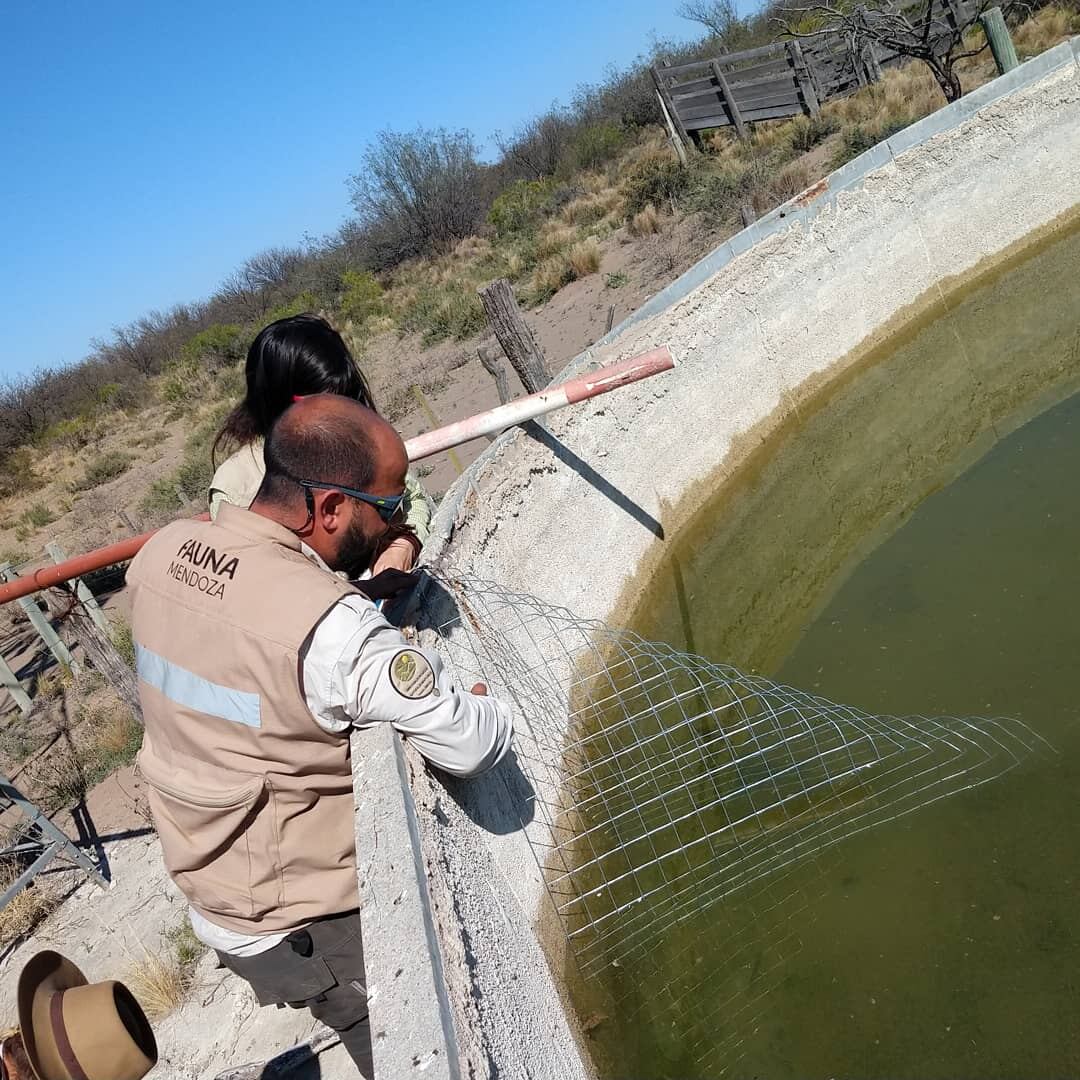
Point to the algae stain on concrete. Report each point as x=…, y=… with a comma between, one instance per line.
x=904, y=543
x=850, y=463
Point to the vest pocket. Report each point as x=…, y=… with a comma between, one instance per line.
x=213, y=837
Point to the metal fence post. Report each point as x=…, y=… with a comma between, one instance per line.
x=12, y=685
x=40, y=622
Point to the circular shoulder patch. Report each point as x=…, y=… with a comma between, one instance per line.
x=411, y=674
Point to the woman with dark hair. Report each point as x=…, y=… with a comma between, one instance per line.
x=290, y=359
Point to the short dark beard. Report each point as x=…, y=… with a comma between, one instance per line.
x=357, y=551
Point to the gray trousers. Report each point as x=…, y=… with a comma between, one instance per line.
x=320, y=968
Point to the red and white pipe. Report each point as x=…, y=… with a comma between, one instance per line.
x=554, y=397
x=591, y=385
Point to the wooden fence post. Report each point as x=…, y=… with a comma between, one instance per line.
x=662, y=89
x=98, y=646
x=673, y=135
x=86, y=597
x=1001, y=43
x=495, y=369
x=125, y=517
x=514, y=335
x=729, y=99
x=92, y=630
x=804, y=78
x=12, y=685
x=41, y=623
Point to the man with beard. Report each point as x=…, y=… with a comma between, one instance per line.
x=255, y=658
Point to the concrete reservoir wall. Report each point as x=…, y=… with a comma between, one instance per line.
x=454, y=903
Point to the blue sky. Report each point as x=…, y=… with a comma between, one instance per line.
x=150, y=148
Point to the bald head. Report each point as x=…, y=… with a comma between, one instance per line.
x=333, y=440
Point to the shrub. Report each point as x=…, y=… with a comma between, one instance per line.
x=548, y=278
x=305, y=302
x=450, y=310
x=361, y=296
x=806, y=133
x=584, y=258
x=195, y=471
x=72, y=434
x=654, y=181
x=17, y=472
x=123, y=641
x=593, y=146
x=103, y=468
x=185, y=383
x=186, y=947
x=216, y=346
x=616, y=280
x=39, y=515
x=116, y=739
x=861, y=137
x=520, y=207
x=418, y=192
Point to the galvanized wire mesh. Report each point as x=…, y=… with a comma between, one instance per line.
x=667, y=787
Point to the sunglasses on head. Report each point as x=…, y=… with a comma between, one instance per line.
x=388, y=507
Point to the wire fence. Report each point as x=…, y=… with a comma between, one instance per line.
x=667, y=788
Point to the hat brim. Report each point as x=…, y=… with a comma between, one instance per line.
x=44, y=975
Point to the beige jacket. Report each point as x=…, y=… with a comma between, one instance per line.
x=238, y=478
x=251, y=798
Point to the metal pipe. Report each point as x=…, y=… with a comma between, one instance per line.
x=506, y=416
x=590, y=385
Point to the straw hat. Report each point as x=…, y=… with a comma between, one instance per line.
x=76, y=1030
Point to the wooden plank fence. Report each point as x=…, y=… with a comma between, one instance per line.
x=781, y=80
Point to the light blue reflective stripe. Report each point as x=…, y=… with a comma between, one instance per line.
x=186, y=688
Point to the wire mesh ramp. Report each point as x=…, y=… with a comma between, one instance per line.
x=670, y=790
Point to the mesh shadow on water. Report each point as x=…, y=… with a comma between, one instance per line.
x=668, y=789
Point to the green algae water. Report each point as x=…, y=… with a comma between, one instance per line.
x=909, y=543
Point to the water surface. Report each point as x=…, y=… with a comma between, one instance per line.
x=907, y=544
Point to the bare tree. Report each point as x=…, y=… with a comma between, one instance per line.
x=719, y=17
x=24, y=406
x=420, y=191
x=536, y=148
x=272, y=268
x=915, y=30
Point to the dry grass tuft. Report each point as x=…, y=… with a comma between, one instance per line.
x=52, y=683
x=472, y=247
x=160, y=982
x=548, y=278
x=118, y=735
x=1047, y=28
x=27, y=910
x=907, y=93
x=784, y=185
x=584, y=258
x=654, y=147
x=554, y=239
x=591, y=208
x=646, y=222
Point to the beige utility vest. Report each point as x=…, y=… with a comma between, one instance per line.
x=252, y=799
